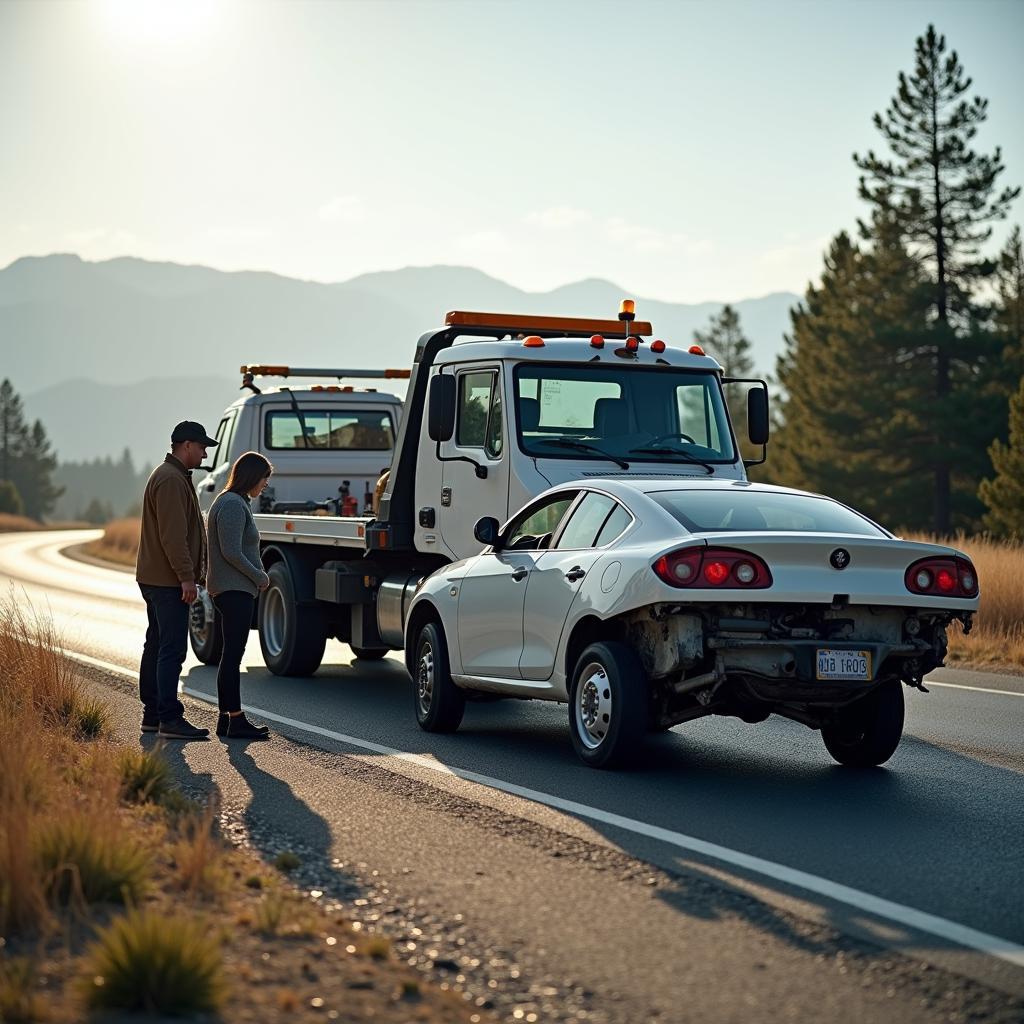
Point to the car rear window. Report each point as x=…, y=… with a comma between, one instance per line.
x=753, y=511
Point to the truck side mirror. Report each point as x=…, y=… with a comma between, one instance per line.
x=441, y=408
x=486, y=531
x=757, y=415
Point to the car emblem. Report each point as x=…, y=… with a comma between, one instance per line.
x=840, y=558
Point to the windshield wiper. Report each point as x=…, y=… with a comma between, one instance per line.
x=661, y=450
x=583, y=446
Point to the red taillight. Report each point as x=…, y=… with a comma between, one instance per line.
x=943, y=577
x=713, y=567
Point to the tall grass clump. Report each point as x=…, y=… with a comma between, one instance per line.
x=119, y=543
x=18, y=998
x=198, y=863
x=154, y=963
x=997, y=637
x=145, y=775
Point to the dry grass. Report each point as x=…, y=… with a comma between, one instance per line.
x=197, y=857
x=119, y=543
x=997, y=639
x=10, y=523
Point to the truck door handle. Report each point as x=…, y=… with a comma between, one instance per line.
x=209, y=487
x=575, y=573
x=520, y=572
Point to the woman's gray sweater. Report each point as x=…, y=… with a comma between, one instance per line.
x=235, y=562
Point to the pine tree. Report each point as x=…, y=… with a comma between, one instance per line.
x=1009, y=310
x=10, y=499
x=12, y=429
x=944, y=194
x=33, y=473
x=1004, y=493
x=724, y=339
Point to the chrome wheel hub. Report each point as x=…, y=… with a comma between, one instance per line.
x=273, y=632
x=200, y=618
x=593, y=706
x=425, y=678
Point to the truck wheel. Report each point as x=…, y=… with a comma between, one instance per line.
x=368, y=653
x=292, y=638
x=204, y=632
x=608, y=705
x=440, y=704
x=867, y=732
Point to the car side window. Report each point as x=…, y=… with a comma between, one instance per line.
x=535, y=527
x=618, y=519
x=475, y=390
x=586, y=520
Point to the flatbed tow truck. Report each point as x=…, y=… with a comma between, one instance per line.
x=499, y=408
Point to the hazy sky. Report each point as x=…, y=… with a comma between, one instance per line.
x=687, y=151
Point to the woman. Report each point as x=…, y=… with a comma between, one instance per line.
x=234, y=579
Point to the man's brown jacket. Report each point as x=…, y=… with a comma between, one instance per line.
x=172, y=548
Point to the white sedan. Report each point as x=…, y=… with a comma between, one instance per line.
x=647, y=602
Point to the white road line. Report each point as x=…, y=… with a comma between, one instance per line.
x=980, y=689
x=950, y=931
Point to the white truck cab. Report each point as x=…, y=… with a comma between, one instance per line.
x=329, y=444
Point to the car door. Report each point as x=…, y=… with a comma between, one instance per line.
x=558, y=574
x=493, y=591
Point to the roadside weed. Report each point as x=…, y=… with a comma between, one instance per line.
x=18, y=1000
x=154, y=963
x=197, y=858
x=145, y=775
x=280, y=913
x=287, y=861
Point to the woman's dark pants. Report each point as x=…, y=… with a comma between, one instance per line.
x=235, y=607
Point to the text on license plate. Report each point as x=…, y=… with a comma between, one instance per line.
x=844, y=664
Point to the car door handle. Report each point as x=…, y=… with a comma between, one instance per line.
x=575, y=573
x=520, y=572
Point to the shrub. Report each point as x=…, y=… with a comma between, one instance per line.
x=89, y=718
x=280, y=914
x=18, y=1001
x=287, y=861
x=82, y=857
x=197, y=858
x=145, y=775
x=155, y=963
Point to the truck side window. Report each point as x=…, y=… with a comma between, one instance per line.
x=493, y=441
x=220, y=453
x=475, y=390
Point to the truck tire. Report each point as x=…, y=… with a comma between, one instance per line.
x=204, y=630
x=867, y=732
x=608, y=711
x=292, y=638
x=368, y=653
x=440, y=704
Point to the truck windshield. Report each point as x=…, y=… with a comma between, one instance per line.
x=656, y=414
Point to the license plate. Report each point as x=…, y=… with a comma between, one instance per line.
x=844, y=664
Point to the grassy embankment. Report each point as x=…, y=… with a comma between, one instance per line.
x=116, y=892
x=996, y=641
x=22, y=524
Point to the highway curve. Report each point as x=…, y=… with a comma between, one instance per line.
x=738, y=875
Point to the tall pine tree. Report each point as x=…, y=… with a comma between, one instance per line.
x=944, y=194
x=724, y=339
x=1009, y=310
x=1004, y=493
x=26, y=457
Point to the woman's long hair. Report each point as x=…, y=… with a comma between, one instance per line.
x=249, y=469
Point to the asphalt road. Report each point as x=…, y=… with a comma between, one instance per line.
x=731, y=837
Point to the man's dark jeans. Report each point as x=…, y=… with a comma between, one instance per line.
x=163, y=653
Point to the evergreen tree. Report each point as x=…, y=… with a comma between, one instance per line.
x=944, y=194
x=33, y=473
x=1009, y=310
x=1004, y=494
x=10, y=499
x=724, y=339
x=12, y=429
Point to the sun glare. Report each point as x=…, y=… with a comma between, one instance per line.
x=158, y=21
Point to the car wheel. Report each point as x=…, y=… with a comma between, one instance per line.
x=368, y=653
x=204, y=631
x=867, y=732
x=608, y=705
x=292, y=639
x=440, y=704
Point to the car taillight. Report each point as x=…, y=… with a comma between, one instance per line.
x=719, y=568
x=942, y=577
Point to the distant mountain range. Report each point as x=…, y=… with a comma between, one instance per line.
x=111, y=354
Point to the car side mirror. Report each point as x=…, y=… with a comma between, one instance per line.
x=757, y=415
x=486, y=531
x=441, y=408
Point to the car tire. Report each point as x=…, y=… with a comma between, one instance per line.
x=440, y=704
x=205, y=636
x=292, y=638
x=368, y=653
x=866, y=733
x=608, y=713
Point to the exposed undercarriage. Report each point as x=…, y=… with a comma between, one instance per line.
x=752, y=660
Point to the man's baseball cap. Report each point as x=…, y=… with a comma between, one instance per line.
x=189, y=430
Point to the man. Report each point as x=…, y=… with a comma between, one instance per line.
x=171, y=563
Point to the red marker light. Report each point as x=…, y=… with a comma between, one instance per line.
x=632, y=343
x=596, y=341
x=533, y=341
x=696, y=350
x=658, y=346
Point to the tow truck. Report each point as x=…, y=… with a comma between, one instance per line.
x=499, y=408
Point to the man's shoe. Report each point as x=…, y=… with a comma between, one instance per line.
x=240, y=728
x=150, y=724
x=179, y=729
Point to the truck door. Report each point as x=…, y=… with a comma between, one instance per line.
x=480, y=440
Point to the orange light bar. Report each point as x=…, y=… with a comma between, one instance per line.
x=696, y=350
x=533, y=341
x=265, y=371
x=397, y=374
x=513, y=323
